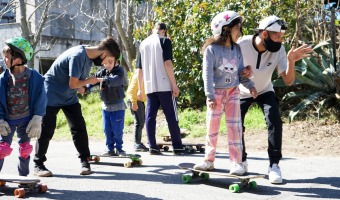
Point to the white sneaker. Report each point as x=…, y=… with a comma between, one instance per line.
x=237, y=169
x=205, y=166
x=274, y=174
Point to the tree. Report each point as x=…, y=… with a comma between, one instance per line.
x=118, y=18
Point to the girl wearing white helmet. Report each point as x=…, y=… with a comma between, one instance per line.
x=222, y=73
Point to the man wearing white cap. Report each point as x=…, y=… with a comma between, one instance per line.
x=265, y=53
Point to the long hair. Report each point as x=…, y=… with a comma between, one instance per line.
x=223, y=37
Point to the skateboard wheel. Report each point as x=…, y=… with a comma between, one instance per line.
x=19, y=193
x=96, y=159
x=127, y=164
x=2, y=183
x=140, y=162
x=166, y=148
x=202, y=150
x=204, y=176
x=234, y=188
x=186, y=178
x=42, y=188
x=252, y=184
x=192, y=151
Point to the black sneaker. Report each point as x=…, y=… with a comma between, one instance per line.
x=42, y=171
x=141, y=147
x=155, y=152
x=179, y=151
x=85, y=168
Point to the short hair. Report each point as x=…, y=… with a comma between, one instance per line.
x=10, y=51
x=111, y=46
x=160, y=26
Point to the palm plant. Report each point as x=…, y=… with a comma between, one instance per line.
x=319, y=74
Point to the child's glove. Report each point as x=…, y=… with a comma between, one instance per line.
x=34, y=127
x=4, y=128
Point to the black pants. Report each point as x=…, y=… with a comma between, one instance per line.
x=139, y=120
x=270, y=107
x=77, y=126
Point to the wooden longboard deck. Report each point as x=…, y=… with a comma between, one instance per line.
x=18, y=179
x=190, y=166
x=126, y=156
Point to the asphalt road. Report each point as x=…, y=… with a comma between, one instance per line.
x=160, y=178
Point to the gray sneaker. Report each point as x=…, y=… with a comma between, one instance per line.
x=85, y=168
x=42, y=171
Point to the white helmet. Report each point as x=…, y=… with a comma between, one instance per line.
x=223, y=19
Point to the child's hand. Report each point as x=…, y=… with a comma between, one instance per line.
x=247, y=72
x=253, y=92
x=100, y=80
x=211, y=103
x=134, y=106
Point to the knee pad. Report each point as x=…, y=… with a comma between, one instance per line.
x=5, y=150
x=25, y=149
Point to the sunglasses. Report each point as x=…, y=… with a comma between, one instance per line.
x=280, y=22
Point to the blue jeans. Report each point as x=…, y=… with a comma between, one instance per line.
x=113, y=125
x=20, y=127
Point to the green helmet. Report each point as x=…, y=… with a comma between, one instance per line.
x=22, y=46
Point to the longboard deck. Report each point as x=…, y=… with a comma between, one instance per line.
x=135, y=158
x=25, y=184
x=189, y=147
x=244, y=179
x=126, y=156
x=18, y=179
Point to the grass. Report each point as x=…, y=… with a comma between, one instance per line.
x=189, y=119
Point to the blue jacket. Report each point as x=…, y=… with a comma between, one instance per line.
x=37, y=94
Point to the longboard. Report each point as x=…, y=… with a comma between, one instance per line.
x=189, y=147
x=134, y=158
x=244, y=179
x=25, y=184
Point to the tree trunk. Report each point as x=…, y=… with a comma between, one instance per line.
x=118, y=9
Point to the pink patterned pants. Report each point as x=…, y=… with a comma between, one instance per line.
x=228, y=101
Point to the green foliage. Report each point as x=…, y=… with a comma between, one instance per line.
x=316, y=74
x=189, y=26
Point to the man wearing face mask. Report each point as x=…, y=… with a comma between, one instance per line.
x=265, y=53
x=67, y=76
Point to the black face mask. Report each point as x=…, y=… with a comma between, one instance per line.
x=271, y=45
x=97, y=61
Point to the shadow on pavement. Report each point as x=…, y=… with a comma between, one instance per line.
x=75, y=195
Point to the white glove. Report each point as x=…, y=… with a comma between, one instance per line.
x=34, y=127
x=4, y=128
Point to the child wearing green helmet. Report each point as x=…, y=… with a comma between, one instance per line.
x=23, y=102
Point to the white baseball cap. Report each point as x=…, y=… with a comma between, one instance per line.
x=272, y=23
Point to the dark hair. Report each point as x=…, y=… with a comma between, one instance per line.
x=111, y=46
x=160, y=26
x=221, y=39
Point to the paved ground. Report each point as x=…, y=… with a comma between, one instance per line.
x=160, y=178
